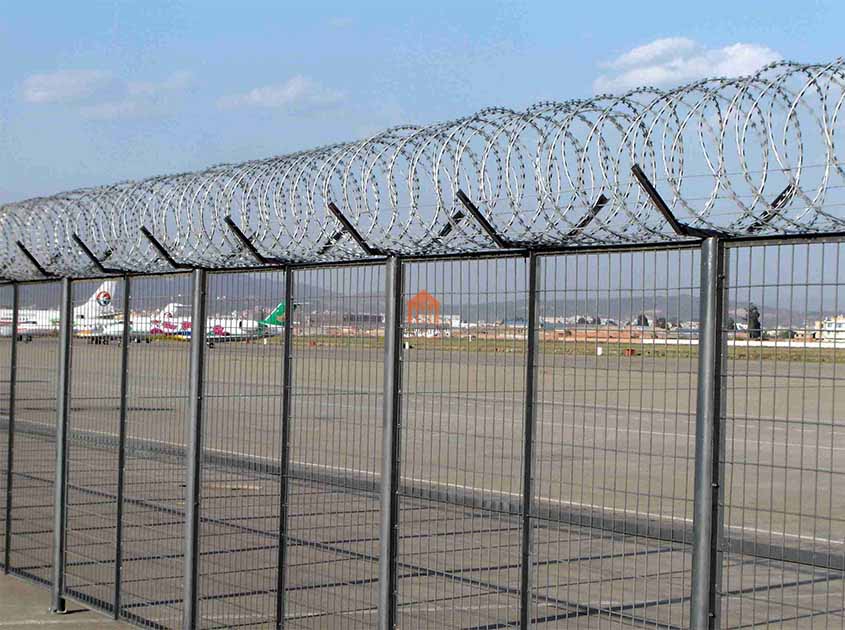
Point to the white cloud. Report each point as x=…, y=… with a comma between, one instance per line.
x=176, y=82
x=656, y=51
x=298, y=94
x=99, y=94
x=66, y=86
x=673, y=60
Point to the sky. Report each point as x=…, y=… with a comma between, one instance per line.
x=97, y=92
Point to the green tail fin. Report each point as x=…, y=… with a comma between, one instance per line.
x=276, y=318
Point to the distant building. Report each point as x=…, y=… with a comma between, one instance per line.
x=831, y=328
x=363, y=318
x=423, y=308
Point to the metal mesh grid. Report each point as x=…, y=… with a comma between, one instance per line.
x=615, y=374
x=92, y=451
x=462, y=433
x=6, y=297
x=784, y=474
x=240, y=488
x=613, y=441
x=152, y=580
x=35, y=420
x=336, y=436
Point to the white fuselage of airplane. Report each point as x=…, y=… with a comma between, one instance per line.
x=171, y=321
x=96, y=312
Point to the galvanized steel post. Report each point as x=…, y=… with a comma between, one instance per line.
x=62, y=412
x=281, y=564
x=10, y=427
x=707, y=512
x=190, y=613
x=125, y=338
x=528, y=444
x=390, y=469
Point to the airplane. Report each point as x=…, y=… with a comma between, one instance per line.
x=169, y=323
x=87, y=317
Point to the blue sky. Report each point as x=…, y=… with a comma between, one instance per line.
x=96, y=92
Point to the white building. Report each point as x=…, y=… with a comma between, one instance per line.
x=831, y=328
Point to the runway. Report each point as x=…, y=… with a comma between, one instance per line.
x=612, y=487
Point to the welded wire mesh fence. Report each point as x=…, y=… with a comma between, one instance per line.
x=33, y=459
x=486, y=442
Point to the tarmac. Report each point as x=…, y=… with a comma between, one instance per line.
x=23, y=605
x=612, y=487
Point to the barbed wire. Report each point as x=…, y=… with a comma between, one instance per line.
x=752, y=155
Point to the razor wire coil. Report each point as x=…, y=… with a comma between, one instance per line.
x=745, y=156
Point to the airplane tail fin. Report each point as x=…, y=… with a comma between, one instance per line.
x=276, y=318
x=100, y=302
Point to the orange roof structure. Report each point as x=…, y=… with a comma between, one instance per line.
x=423, y=308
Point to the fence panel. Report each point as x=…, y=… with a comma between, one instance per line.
x=784, y=437
x=615, y=424
x=335, y=447
x=154, y=477
x=612, y=451
x=34, y=463
x=92, y=458
x=6, y=299
x=462, y=439
x=240, y=483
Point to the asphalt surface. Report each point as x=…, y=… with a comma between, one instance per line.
x=25, y=605
x=613, y=443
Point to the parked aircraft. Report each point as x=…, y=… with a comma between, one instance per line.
x=91, y=315
x=171, y=321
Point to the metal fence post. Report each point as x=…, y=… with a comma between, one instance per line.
x=285, y=453
x=60, y=486
x=10, y=427
x=121, y=444
x=528, y=444
x=389, y=535
x=707, y=512
x=192, y=486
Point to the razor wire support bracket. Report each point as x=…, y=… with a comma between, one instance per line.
x=90, y=255
x=453, y=221
x=681, y=229
x=334, y=239
x=248, y=244
x=162, y=251
x=500, y=241
x=352, y=231
x=600, y=203
x=34, y=260
x=778, y=204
